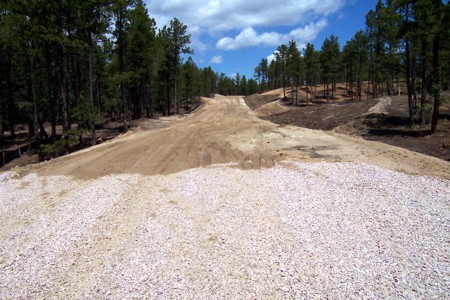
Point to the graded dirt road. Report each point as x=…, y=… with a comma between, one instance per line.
x=222, y=205
x=224, y=130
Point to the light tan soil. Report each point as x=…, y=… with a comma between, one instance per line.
x=225, y=130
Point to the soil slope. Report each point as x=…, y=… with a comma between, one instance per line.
x=383, y=119
x=225, y=130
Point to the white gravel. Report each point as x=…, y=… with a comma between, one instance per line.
x=298, y=230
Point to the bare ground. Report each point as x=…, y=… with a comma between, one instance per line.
x=293, y=213
x=385, y=122
x=224, y=130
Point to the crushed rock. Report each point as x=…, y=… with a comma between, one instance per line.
x=298, y=230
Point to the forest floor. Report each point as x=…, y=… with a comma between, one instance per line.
x=222, y=204
x=384, y=120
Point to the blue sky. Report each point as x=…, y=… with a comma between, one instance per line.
x=233, y=36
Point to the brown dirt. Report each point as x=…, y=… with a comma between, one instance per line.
x=371, y=119
x=225, y=130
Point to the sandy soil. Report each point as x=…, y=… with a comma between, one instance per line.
x=383, y=119
x=225, y=130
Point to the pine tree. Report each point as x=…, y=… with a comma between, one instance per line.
x=312, y=69
x=142, y=58
x=281, y=57
x=179, y=41
x=293, y=67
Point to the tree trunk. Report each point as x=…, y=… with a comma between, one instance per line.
x=11, y=111
x=307, y=92
x=408, y=82
x=91, y=99
x=51, y=93
x=175, y=93
x=167, y=97
x=150, y=99
x=436, y=85
x=76, y=81
x=62, y=91
x=2, y=130
x=358, y=78
x=120, y=41
x=423, y=80
x=43, y=133
x=33, y=129
x=408, y=70
x=37, y=137
x=332, y=90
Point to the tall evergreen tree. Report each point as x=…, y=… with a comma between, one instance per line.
x=312, y=69
x=179, y=41
x=281, y=58
x=293, y=67
x=142, y=58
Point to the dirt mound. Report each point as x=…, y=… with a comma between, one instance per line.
x=271, y=108
x=384, y=119
x=255, y=101
x=276, y=92
x=322, y=116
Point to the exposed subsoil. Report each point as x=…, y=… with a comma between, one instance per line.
x=386, y=123
x=225, y=130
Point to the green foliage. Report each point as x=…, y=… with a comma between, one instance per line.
x=62, y=146
x=85, y=112
x=428, y=113
x=52, y=150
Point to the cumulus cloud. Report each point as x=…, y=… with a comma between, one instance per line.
x=216, y=18
x=248, y=37
x=221, y=15
x=216, y=59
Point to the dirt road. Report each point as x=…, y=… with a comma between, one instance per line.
x=225, y=130
x=151, y=215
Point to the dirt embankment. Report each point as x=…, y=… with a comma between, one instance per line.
x=225, y=130
x=384, y=120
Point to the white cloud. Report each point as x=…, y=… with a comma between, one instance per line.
x=249, y=37
x=217, y=17
x=196, y=43
x=271, y=57
x=216, y=59
x=221, y=15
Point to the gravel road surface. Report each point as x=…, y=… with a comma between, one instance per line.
x=308, y=230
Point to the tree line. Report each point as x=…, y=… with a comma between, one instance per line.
x=405, y=42
x=81, y=62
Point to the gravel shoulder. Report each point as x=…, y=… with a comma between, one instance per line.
x=221, y=204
